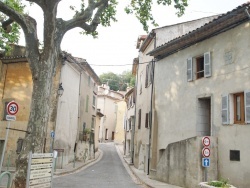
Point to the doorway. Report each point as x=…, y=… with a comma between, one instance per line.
x=204, y=117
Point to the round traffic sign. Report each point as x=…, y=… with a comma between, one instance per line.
x=12, y=108
x=206, y=141
x=206, y=152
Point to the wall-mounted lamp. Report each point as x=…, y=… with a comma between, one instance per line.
x=60, y=90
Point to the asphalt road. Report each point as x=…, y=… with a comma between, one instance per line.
x=109, y=172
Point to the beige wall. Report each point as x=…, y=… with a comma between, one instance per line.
x=106, y=102
x=119, y=130
x=16, y=84
x=175, y=97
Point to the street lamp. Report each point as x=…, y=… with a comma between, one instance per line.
x=60, y=90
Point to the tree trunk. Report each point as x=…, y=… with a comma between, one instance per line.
x=38, y=119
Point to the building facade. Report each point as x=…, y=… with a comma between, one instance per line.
x=107, y=104
x=201, y=88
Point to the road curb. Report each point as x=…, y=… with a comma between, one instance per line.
x=83, y=166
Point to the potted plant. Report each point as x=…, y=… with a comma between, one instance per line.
x=221, y=183
x=86, y=133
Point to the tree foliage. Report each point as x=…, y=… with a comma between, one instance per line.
x=118, y=81
x=10, y=31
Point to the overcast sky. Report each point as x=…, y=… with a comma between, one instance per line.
x=116, y=44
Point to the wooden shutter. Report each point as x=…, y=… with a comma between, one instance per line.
x=146, y=77
x=225, y=110
x=247, y=106
x=189, y=69
x=207, y=65
x=146, y=121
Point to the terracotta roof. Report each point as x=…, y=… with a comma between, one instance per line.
x=129, y=92
x=139, y=39
x=218, y=25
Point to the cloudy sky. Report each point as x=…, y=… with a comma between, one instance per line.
x=116, y=44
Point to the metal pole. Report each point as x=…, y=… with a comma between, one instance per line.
x=205, y=173
x=5, y=143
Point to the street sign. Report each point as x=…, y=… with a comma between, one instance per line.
x=37, y=161
x=10, y=118
x=40, y=166
x=12, y=108
x=42, y=155
x=52, y=134
x=39, y=181
x=41, y=173
x=205, y=162
x=45, y=185
x=206, y=152
x=40, y=170
x=206, y=141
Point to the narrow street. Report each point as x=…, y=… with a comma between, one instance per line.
x=109, y=172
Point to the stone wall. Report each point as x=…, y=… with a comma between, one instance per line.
x=180, y=163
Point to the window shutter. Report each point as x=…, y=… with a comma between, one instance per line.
x=146, y=77
x=225, y=110
x=139, y=119
x=146, y=121
x=207, y=65
x=247, y=106
x=189, y=69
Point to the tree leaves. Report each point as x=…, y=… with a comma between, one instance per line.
x=142, y=9
x=11, y=34
x=118, y=81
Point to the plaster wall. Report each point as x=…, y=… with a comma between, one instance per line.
x=180, y=164
x=142, y=103
x=16, y=84
x=176, y=99
x=119, y=130
x=67, y=114
x=108, y=108
x=168, y=33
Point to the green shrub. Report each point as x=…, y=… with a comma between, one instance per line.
x=223, y=183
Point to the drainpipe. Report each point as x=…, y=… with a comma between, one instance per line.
x=150, y=115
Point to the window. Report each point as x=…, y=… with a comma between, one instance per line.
x=141, y=82
x=94, y=100
x=87, y=104
x=89, y=81
x=149, y=72
x=234, y=155
x=130, y=128
x=236, y=108
x=93, y=122
x=139, y=119
x=201, y=67
x=146, y=120
x=239, y=114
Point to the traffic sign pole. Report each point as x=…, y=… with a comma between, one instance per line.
x=5, y=143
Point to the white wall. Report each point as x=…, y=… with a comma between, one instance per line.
x=67, y=113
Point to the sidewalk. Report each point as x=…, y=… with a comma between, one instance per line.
x=143, y=178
